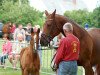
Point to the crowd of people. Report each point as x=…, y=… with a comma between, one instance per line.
x=20, y=38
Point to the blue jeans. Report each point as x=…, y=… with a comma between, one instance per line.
x=2, y=58
x=28, y=38
x=67, y=68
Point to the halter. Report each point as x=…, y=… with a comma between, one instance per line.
x=49, y=37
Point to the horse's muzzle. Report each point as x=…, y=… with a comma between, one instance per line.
x=45, y=40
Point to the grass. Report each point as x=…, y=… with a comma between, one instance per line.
x=45, y=68
x=10, y=71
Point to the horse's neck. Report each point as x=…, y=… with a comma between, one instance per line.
x=78, y=31
x=34, y=43
x=31, y=44
x=37, y=41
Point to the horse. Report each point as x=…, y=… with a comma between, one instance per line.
x=54, y=25
x=6, y=28
x=95, y=34
x=29, y=58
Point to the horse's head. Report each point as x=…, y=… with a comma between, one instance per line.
x=49, y=28
x=35, y=38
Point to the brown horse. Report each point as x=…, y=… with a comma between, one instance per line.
x=95, y=34
x=54, y=25
x=6, y=28
x=29, y=58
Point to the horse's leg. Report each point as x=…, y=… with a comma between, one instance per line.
x=88, y=69
x=31, y=73
x=25, y=72
x=37, y=73
x=22, y=72
x=98, y=69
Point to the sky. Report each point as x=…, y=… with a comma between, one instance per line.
x=91, y=4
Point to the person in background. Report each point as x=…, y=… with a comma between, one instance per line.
x=6, y=49
x=12, y=30
x=59, y=37
x=19, y=41
x=56, y=43
x=28, y=32
x=16, y=50
x=67, y=53
x=19, y=31
x=86, y=26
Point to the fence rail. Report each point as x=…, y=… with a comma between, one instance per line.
x=45, y=54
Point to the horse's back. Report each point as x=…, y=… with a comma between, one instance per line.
x=95, y=34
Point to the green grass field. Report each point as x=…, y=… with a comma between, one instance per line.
x=10, y=71
x=45, y=68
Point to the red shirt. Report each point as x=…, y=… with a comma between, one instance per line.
x=68, y=49
x=12, y=29
x=7, y=47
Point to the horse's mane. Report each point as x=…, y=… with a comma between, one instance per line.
x=70, y=20
x=80, y=30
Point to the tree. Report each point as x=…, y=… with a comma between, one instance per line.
x=79, y=16
x=96, y=17
x=20, y=14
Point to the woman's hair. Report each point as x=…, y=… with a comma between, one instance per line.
x=6, y=36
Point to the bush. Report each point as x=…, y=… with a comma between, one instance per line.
x=20, y=13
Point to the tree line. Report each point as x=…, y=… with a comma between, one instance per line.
x=14, y=11
x=83, y=16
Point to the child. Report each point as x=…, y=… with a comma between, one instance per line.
x=18, y=45
x=6, y=49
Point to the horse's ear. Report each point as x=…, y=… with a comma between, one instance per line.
x=46, y=13
x=53, y=14
x=32, y=31
x=38, y=31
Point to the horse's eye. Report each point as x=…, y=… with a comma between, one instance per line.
x=48, y=25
